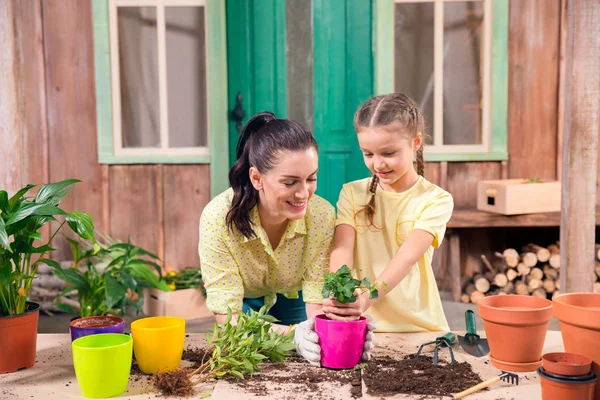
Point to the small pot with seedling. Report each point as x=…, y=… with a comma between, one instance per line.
x=342, y=342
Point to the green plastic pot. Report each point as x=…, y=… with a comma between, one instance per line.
x=102, y=364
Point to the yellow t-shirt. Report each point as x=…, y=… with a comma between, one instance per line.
x=234, y=267
x=414, y=305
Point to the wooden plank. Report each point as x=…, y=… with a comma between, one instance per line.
x=561, y=87
x=533, y=88
x=186, y=192
x=433, y=173
x=580, y=146
x=463, y=178
x=12, y=118
x=134, y=205
x=454, y=266
x=470, y=218
x=71, y=107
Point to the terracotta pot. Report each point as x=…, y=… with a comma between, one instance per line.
x=80, y=327
x=557, y=387
x=18, y=334
x=566, y=364
x=579, y=317
x=516, y=329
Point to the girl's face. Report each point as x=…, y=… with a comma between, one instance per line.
x=388, y=153
x=285, y=190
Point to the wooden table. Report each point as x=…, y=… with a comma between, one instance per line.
x=53, y=377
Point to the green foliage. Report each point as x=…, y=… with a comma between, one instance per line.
x=20, y=221
x=120, y=284
x=187, y=278
x=532, y=180
x=240, y=347
x=341, y=286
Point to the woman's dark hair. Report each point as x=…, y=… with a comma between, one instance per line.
x=261, y=140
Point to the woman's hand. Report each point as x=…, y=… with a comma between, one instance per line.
x=333, y=309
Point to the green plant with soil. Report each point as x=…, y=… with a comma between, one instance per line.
x=109, y=290
x=238, y=348
x=341, y=285
x=21, y=218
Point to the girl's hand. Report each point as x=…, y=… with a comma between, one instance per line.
x=335, y=310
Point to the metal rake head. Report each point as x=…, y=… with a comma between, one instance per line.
x=509, y=377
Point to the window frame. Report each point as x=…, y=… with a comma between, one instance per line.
x=495, y=91
x=216, y=67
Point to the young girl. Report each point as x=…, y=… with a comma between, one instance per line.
x=389, y=224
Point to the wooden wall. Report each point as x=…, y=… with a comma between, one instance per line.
x=159, y=205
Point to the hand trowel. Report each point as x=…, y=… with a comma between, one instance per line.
x=471, y=342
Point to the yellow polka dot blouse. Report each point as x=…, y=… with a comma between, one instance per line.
x=234, y=267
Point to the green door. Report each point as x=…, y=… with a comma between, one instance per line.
x=310, y=61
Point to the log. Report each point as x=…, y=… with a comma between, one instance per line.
x=470, y=288
x=539, y=293
x=530, y=259
x=511, y=274
x=464, y=298
x=521, y=288
x=557, y=284
x=556, y=293
x=542, y=253
x=476, y=296
x=597, y=251
x=549, y=285
x=596, y=287
x=487, y=264
x=509, y=288
x=554, y=261
x=553, y=249
x=533, y=284
x=598, y=271
x=481, y=283
x=500, y=280
x=523, y=269
x=550, y=273
x=510, y=256
x=536, y=273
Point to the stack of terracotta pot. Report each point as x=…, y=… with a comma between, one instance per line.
x=516, y=330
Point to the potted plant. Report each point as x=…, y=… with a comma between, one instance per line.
x=187, y=298
x=342, y=342
x=103, y=294
x=20, y=221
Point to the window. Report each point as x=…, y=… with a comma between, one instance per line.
x=451, y=57
x=161, y=82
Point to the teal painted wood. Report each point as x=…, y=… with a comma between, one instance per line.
x=383, y=19
x=257, y=59
x=102, y=76
x=217, y=95
x=343, y=79
x=500, y=77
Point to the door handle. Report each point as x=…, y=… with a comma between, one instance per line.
x=238, y=112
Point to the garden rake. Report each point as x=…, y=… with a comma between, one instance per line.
x=505, y=376
x=440, y=342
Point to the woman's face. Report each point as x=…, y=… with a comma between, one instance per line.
x=285, y=190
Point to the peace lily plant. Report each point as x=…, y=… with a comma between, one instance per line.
x=20, y=221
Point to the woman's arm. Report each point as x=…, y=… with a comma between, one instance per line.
x=405, y=258
x=343, y=248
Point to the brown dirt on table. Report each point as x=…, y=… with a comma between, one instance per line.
x=196, y=355
x=173, y=383
x=387, y=376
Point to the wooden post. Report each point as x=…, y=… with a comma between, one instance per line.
x=12, y=118
x=454, y=265
x=580, y=145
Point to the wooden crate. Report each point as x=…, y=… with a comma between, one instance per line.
x=517, y=196
x=186, y=303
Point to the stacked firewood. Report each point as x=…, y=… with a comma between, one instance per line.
x=534, y=271
x=46, y=286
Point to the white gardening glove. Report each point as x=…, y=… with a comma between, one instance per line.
x=369, y=339
x=307, y=342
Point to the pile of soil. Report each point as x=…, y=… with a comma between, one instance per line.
x=386, y=376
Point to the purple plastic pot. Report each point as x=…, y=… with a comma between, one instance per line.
x=92, y=325
x=341, y=342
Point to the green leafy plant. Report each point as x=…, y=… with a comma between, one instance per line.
x=341, y=286
x=109, y=291
x=187, y=278
x=532, y=180
x=20, y=221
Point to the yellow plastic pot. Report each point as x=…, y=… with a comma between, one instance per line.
x=102, y=364
x=158, y=343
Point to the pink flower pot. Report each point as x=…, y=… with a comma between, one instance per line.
x=341, y=342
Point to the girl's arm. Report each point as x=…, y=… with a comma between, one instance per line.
x=409, y=253
x=343, y=248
